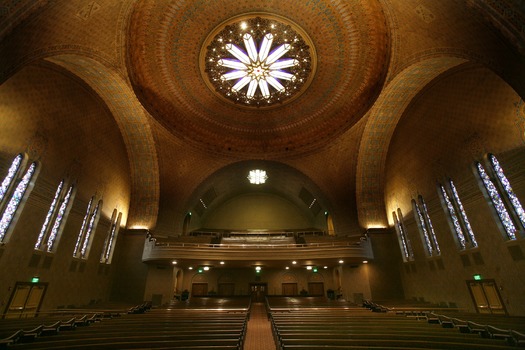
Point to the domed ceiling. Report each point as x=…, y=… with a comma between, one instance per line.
x=348, y=52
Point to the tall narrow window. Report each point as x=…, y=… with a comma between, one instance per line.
x=507, y=189
x=430, y=228
x=111, y=239
x=56, y=230
x=11, y=176
x=86, y=244
x=497, y=200
x=85, y=230
x=404, y=242
x=15, y=200
x=422, y=228
x=49, y=216
x=462, y=229
x=81, y=234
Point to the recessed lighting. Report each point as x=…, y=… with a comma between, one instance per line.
x=174, y=262
x=190, y=268
x=294, y=262
x=206, y=268
x=365, y=261
x=308, y=267
x=288, y=268
x=257, y=268
x=325, y=267
x=222, y=262
x=341, y=261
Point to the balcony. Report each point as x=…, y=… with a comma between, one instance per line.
x=262, y=248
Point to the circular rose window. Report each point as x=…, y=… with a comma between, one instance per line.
x=258, y=60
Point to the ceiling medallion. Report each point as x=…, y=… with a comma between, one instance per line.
x=258, y=60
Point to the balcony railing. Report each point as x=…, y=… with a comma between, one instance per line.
x=164, y=250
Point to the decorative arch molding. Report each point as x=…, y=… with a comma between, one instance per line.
x=381, y=123
x=315, y=277
x=199, y=278
x=288, y=277
x=135, y=129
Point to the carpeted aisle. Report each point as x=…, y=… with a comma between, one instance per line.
x=259, y=332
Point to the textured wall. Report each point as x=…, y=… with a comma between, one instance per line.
x=459, y=118
x=63, y=125
x=257, y=211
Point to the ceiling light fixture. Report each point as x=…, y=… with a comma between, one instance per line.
x=257, y=176
x=258, y=61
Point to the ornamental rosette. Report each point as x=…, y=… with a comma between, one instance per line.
x=258, y=62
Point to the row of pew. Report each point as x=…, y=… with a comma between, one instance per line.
x=173, y=328
x=26, y=330
x=307, y=328
x=509, y=329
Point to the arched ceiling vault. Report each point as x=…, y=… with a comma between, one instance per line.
x=283, y=181
x=135, y=129
x=381, y=124
x=352, y=49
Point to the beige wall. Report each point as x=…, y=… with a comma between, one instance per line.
x=257, y=211
x=160, y=279
x=59, y=122
x=450, y=125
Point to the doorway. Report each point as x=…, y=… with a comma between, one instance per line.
x=199, y=289
x=316, y=289
x=258, y=291
x=486, y=297
x=25, y=300
x=289, y=289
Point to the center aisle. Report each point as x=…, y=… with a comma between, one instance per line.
x=259, y=333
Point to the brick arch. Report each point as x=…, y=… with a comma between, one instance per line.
x=132, y=121
x=382, y=121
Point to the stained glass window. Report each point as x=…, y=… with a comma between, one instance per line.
x=50, y=213
x=497, y=201
x=15, y=201
x=11, y=173
x=404, y=242
x=83, y=228
x=55, y=231
x=84, y=251
x=463, y=213
x=507, y=188
x=423, y=228
x=111, y=239
x=455, y=221
x=430, y=228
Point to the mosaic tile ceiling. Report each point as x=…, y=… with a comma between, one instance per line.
x=166, y=39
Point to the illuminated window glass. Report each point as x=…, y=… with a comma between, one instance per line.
x=111, y=239
x=11, y=175
x=430, y=228
x=82, y=232
x=86, y=244
x=56, y=229
x=461, y=224
x=507, y=189
x=49, y=216
x=15, y=200
x=422, y=228
x=497, y=202
x=404, y=242
x=463, y=214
